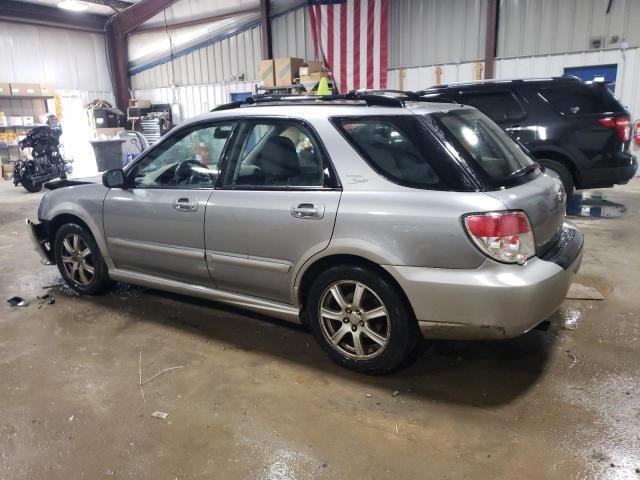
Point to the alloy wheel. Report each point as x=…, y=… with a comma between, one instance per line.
x=354, y=320
x=77, y=260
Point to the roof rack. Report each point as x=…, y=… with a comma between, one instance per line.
x=370, y=98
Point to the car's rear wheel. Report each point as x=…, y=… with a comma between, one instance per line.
x=361, y=319
x=561, y=172
x=79, y=260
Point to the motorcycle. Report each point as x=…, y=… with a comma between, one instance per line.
x=46, y=162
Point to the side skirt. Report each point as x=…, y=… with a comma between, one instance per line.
x=279, y=310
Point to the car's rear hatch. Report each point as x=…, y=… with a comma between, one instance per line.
x=503, y=170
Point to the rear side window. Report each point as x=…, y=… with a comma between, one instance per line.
x=487, y=147
x=398, y=148
x=581, y=99
x=498, y=106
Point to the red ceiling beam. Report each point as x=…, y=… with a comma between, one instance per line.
x=35, y=14
x=265, y=30
x=491, y=38
x=118, y=27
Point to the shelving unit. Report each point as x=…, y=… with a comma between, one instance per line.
x=32, y=106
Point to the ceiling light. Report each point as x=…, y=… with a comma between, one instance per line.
x=73, y=5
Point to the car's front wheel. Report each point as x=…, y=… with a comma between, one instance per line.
x=79, y=260
x=361, y=319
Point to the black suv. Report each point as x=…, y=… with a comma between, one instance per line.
x=576, y=129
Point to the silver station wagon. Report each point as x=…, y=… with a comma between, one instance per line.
x=375, y=220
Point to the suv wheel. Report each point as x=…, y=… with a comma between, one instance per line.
x=79, y=260
x=360, y=319
x=559, y=171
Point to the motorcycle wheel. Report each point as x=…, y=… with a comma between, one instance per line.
x=31, y=186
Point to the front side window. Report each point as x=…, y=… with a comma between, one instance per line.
x=187, y=160
x=400, y=149
x=498, y=106
x=275, y=153
x=487, y=146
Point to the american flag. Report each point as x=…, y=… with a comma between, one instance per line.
x=352, y=38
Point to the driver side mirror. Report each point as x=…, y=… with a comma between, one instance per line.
x=114, y=178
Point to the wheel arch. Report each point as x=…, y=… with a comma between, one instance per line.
x=561, y=157
x=311, y=272
x=62, y=218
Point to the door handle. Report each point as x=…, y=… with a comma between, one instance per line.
x=185, y=205
x=313, y=210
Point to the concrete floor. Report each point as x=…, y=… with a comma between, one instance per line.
x=258, y=399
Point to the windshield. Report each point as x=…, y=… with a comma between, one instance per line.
x=491, y=150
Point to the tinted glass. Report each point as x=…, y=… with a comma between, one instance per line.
x=398, y=148
x=581, y=99
x=486, y=144
x=276, y=154
x=187, y=160
x=498, y=106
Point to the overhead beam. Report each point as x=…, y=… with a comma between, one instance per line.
x=115, y=4
x=265, y=30
x=195, y=21
x=118, y=27
x=491, y=38
x=35, y=14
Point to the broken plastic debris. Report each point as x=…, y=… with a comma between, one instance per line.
x=46, y=299
x=578, y=291
x=161, y=415
x=395, y=394
x=17, y=302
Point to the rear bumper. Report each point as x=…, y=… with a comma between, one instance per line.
x=39, y=236
x=495, y=300
x=620, y=170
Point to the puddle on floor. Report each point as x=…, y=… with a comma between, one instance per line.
x=593, y=204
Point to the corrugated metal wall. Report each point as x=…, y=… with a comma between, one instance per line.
x=535, y=27
x=230, y=60
x=291, y=35
x=426, y=32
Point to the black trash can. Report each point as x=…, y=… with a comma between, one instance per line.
x=108, y=153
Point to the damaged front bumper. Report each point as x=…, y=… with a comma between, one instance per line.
x=40, y=238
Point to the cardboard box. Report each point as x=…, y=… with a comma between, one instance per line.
x=25, y=89
x=5, y=89
x=7, y=170
x=286, y=70
x=14, y=121
x=27, y=121
x=139, y=103
x=46, y=90
x=266, y=73
x=314, y=77
x=310, y=68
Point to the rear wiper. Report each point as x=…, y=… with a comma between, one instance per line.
x=524, y=170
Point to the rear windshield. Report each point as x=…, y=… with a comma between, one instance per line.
x=486, y=146
x=402, y=150
x=581, y=99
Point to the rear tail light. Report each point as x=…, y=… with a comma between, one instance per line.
x=636, y=134
x=503, y=236
x=621, y=125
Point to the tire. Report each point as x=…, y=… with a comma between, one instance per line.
x=561, y=172
x=31, y=186
x=385, y=341
x=85, y=272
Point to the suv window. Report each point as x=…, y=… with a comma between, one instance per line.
x=397, y=147
x=581, y=99
x=498, y=106
x=275, y=153
x=188, y=159
x=487, y=146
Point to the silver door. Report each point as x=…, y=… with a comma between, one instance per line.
x=156, y=225
x=276, y=208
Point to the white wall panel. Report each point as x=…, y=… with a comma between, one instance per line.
x=195, y=99
x=291, y=35
x=419, y=78
x=532, y=27
x=64, y=58
x=425, y=32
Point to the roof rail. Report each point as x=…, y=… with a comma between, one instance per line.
x=353, y=96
